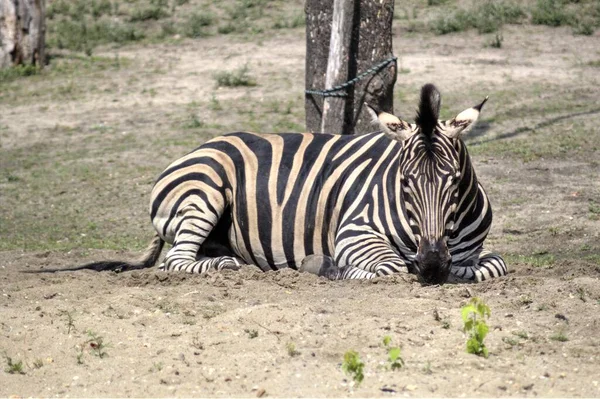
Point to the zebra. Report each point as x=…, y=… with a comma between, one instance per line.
x=403, y=199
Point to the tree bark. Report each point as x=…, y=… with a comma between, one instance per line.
x=370, y=44
x=22, y=32
x=334, y=108
x=318, y=35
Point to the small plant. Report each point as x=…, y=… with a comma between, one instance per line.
x=80, y=354
x=239, y=77
x=427, y=368
x=559, y=336
x=291, y=349
x=38, y=363
x=227, y=28
x=353, y=366
x=581, y=294
x=525, y=300
x=594, y=209
x=157, y=366
x=510, y=341
x=251, y=333
x=97, y=344
x=196, y=343
x=497, y=41
x=394, y=359
x=69, y=321
x=584, y=27
x=214, y=103
x=195, y=26
x=193, y=122
x=14, y=367
x=474, y=315
x=521, y=334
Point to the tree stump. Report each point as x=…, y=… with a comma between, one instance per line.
x=370, y=43
x=22, y=32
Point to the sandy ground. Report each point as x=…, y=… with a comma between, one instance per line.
x=274, y=334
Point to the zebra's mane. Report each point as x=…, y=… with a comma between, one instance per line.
x=429, y=109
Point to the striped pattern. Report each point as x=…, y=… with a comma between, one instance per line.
x=273, y=199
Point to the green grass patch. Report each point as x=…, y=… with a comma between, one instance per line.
x=594, y=208
x=489, y=16
x=583, y=16
x=594, y=258
x=486, y=17
x=63, y=186
x=156, y=10
x=435, y=2
x=13, y=73
x=83, y=25
x=551, y=13
x=56, y=81
x=86, y=34
x=553, y=138
x=540, y=259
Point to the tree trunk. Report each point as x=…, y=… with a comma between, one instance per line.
x=22, y=32
x=370, y=44
x=334, y=108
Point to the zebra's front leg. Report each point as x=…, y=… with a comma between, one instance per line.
x=484, y=266
x=362, y=256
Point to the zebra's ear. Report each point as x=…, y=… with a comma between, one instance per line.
x=393, y=127
x=463, y=122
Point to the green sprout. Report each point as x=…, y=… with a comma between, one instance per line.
x=395, y=360
x=474, y=315
x=14, y=367
x=353, y=366
x=97, y=344
x=291, y=349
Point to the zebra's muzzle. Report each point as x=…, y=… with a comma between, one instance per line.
x=433, y=261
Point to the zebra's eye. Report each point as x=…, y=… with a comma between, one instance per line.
x=454, y=178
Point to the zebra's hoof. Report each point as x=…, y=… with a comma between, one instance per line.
x=230, y=266
x=321, y=265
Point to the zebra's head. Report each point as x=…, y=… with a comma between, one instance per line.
x=432, y=161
